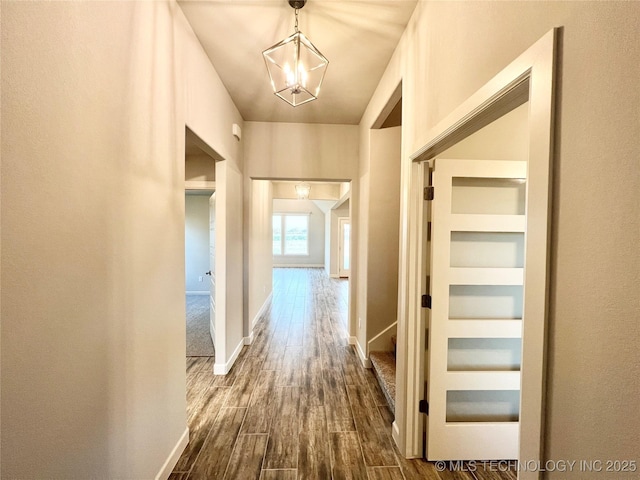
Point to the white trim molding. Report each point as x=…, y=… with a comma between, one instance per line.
x=199, y=185
x=174, y=456
x=224, y=368
x=366, y=363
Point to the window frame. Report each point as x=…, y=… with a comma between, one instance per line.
x=283, y=243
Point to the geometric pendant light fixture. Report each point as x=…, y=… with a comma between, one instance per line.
x=296, y=67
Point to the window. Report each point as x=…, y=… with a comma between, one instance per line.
x=277, y=234
x=291, y=234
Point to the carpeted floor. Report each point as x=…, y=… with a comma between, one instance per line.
x=199, y=342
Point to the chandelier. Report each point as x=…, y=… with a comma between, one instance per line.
x=296, y=67
x=303, y=190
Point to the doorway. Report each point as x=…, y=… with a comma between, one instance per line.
x=200, y=273
x=528, y=81
x=200, y=243
x=287, y=231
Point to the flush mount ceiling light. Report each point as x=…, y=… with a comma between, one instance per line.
x=296, y=67
x=303, y=190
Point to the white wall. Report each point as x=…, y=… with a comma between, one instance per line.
x=93, y=125
x=196, y=239
x=593, y=371
x=316, y=232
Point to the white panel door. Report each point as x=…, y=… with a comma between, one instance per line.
x=212, y=267
x=475, y=331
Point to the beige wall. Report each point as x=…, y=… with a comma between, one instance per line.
x=319, y=191
x=93, y=125
x=259, y=285
x=378, y=242
x=200, y=168
x=383, y=231
x=593, y=368
x=507, y=138
x=300, y=151
x=229, y=258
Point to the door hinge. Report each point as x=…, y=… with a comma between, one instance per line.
x=423, y=407
x=426, y=301
x=428, y=193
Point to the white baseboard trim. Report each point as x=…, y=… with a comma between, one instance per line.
x=249, y=340
x=334, y=275
x=395, y=434
x=366, y=363
x=198, y=292
x=263, y=309
x=352, y=340
x=174, y=456
x=299, y=265
x=223, y=368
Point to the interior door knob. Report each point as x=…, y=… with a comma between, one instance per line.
x=208, y=273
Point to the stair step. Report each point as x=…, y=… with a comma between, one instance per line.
x=384, y=366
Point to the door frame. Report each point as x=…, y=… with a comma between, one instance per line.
x=530, y=77
x=342, y=273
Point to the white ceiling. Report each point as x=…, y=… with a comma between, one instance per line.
x=357, y=36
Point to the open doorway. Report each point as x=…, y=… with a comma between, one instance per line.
x=290, y=232
x=310, y=246
x=199, y=252
x=199, y=272
x=524, y=88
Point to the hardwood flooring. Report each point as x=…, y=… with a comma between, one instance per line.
x=297, y=404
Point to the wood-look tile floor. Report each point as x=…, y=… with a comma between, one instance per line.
x=297, y=404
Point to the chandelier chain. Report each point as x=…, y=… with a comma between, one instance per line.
x=297, y=19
